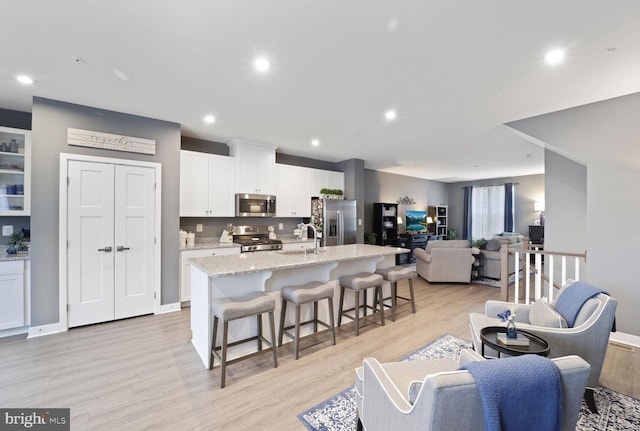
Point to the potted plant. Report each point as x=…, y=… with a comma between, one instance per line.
x=15, y=241
x=331, y=193
x=371, y=238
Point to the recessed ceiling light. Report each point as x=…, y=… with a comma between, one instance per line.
x=262, y=64
x=315, y=142
x=390, y=115
x=209, y=119
x=554, y=56
x=24, y=79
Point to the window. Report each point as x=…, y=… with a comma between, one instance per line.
x=487, y=211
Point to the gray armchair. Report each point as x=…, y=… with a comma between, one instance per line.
x=587, y=338
x=430, y=395
x=446, y=261
x=490, y=259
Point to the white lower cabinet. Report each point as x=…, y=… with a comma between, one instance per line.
x=14, y=304
x=185, y=272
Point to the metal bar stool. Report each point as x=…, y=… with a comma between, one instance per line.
x=393, y=275
x=239, y=307
x=304, y=294
x=360, y=282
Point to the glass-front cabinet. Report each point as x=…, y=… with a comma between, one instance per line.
x=15, y=172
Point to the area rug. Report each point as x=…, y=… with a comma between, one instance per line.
x=486, y=281
x=617, y=412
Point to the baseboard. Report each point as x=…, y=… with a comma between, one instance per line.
x=39, y=331
x=621, y=362
x=169, y=308
x=13, y=331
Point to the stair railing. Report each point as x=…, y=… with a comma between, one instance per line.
x=542, y=281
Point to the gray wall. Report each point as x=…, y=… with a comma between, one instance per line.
x=49, y=138
x=566, y=211
x=530, y=189
x=388, y=188
x=603, y=136
x=354, y=187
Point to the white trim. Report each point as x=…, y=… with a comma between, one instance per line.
x=169, y=308
x=62, y=235
x=13, y=331
x=54, y=328
x=624, y=338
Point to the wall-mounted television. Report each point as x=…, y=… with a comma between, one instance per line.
x=416, y=220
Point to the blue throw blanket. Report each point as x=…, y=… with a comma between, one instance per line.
x=519, y=393
x=573, y=298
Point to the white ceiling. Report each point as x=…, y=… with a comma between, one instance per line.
x=455, y=71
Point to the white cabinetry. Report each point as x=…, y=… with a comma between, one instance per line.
x=321, y=179
x=15, y=171
x=206, y=185
x=185, y=271
x=255, y=167
x=292, y=190
x=13, y=304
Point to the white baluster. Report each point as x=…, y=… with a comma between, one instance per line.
x=550, y=266
x=516, y=291
x=577, y=270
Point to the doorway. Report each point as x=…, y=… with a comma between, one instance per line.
x=111, y=237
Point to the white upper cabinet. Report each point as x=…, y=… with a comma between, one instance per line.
x=255, y=167
x=15, y=172
x=206, y=185
x=292, y=191
x=321, y=179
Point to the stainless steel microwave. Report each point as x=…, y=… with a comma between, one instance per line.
x=252, y=205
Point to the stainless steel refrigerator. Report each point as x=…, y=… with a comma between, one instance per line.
x=336, y=220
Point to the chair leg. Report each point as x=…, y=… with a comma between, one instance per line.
x=356, y=310
x=315, y=316
x=413, y=300
x=213, y=341
x=333, y=329
x=296, y=339
x=259, y=320
x=590, y=400
x=364, y=294
x=283, y=312
x=378, y=289
x=340, y=306
x=223, y=365
x=394, y=300
x=272, y=330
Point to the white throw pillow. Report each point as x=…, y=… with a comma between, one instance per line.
x=541, y=314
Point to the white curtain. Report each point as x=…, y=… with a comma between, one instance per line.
x=487, y=211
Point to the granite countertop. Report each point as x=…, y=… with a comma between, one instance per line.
x=246, y=263
x=212, y=242
x=5, y=257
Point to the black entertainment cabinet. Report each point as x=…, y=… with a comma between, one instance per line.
x=411, y=241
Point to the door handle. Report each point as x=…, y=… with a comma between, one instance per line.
x=121, y=248
x=106, y=249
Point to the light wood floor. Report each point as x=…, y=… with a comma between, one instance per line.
x=143, y=373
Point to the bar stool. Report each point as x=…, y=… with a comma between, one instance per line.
x=360, y=282
x=239, y=307
x=304, y=294
x=393, y=275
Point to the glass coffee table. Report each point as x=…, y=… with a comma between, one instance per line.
x=537, y=345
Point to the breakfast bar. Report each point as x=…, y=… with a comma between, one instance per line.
x=269, y=272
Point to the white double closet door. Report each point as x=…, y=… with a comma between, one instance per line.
x=110, y=241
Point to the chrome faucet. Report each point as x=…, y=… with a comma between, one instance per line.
x=315, y=235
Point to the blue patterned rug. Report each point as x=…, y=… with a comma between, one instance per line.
x=617, y=412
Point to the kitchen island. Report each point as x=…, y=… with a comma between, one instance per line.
x=269, y=272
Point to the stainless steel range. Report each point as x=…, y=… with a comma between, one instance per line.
x=255, y=238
